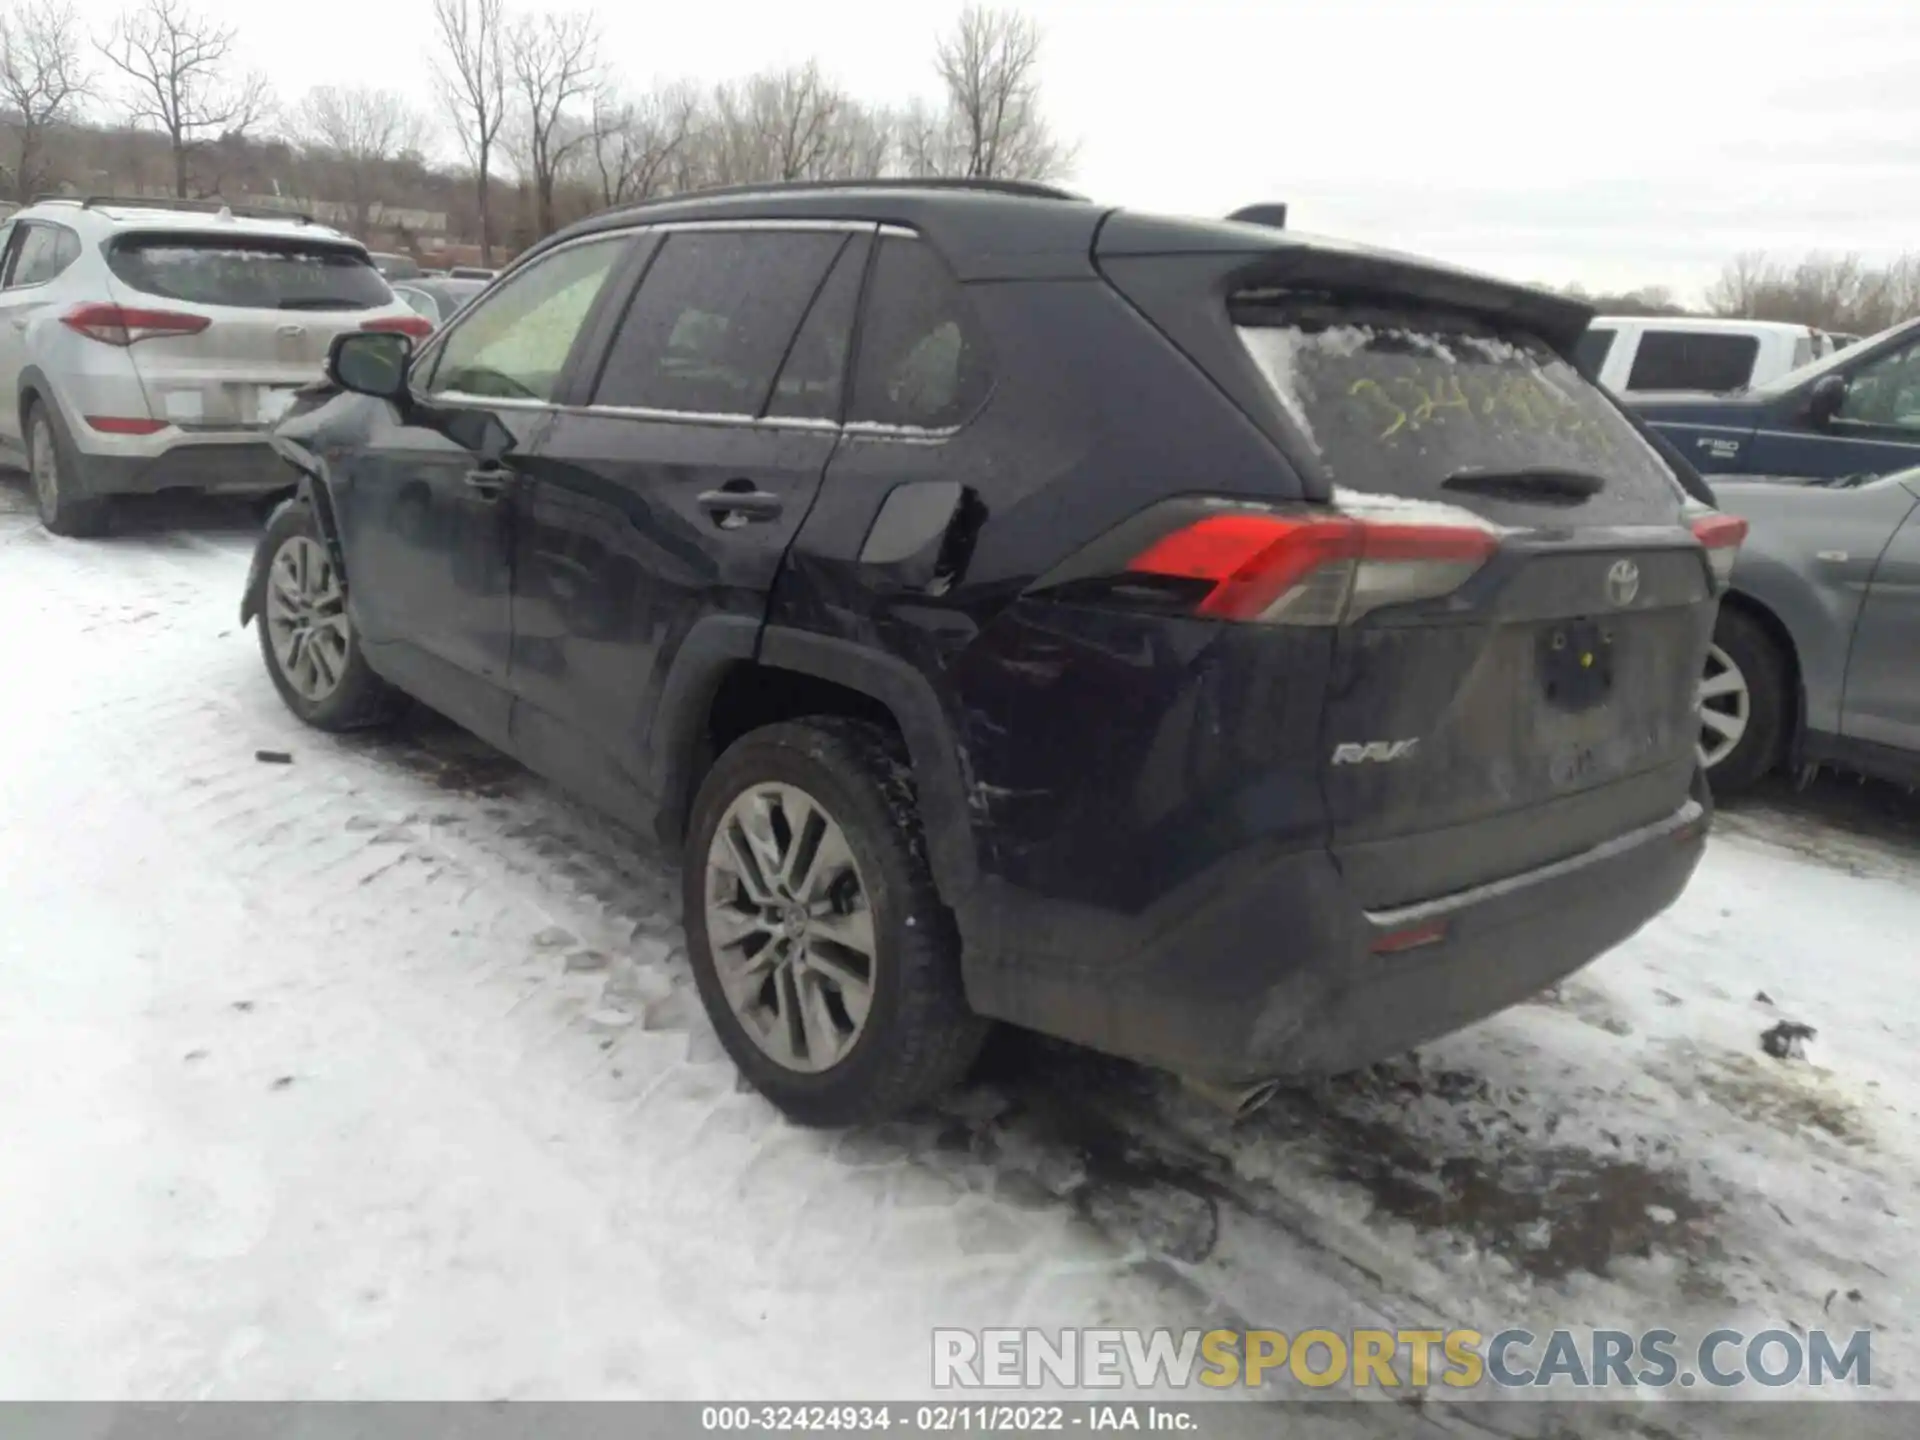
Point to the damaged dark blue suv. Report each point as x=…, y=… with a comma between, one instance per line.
x=1240, y=652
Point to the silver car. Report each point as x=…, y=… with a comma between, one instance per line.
x=150, y=344
x=1816, y=656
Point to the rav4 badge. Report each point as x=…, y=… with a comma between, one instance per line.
x=1360, y=753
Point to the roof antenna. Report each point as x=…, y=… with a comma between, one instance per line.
x=1272, y=216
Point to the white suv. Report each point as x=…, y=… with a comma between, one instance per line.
x=151, y=344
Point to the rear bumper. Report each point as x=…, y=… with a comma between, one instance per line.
x=234, y=467
x=1278, y=974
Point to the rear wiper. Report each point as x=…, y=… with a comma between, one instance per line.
x=1542, y=484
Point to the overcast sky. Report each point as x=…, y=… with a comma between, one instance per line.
x=1612, y=142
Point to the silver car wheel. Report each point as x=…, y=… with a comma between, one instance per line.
x=306, y=618
x=43, y=461
x=790, y=925
x=1726, y=704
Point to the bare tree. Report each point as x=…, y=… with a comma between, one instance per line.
x=42, y=80
x=554, y=62
x=990, y=65
x=635, y=144
x=473, y=89
x=362, y=130
x=178, y=70
x=1830, y=292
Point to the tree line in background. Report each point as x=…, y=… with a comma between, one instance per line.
x=547, y=129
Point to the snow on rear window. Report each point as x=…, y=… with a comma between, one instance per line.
x=251, y=272
x=1395, y=402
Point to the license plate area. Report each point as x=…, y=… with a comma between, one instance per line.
x=1575, y=661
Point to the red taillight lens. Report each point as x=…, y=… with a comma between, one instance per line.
x=1321, y=567
x=123, y=326
x=1721, y=535
x=418, y=326
x=125, y=424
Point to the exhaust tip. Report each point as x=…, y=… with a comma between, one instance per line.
x=1237, y=1101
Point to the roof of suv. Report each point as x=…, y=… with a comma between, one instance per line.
x=201, y=217
x=1016, y=230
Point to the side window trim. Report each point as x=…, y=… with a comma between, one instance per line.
x=806, y=311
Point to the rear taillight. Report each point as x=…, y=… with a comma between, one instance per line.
x=122, y=325
x=418, y=326
x=1316, y=565
x=1722, y=536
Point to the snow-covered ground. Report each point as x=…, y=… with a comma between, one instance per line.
x=379, y=1074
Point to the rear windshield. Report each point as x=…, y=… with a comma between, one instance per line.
x=1398, y=401
x=256, y=273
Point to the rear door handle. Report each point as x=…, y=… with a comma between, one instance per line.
x=19, y=322
x=738, y=503
x=490, y=482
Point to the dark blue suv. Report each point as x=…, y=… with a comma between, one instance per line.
x=1856, y=412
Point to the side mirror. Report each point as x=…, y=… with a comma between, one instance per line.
x=1829, y=393
x=371, y=362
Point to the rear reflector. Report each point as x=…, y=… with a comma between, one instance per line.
x=1319, y=567
x=126, y=424
x=418, y=326
x=1412, y=937
x=1721, y=535
x=123, y=326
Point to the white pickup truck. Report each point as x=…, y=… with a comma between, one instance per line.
x=1641, y=354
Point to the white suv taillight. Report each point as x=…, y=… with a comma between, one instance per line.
x=123, y=326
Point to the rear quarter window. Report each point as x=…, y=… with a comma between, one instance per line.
x=1682, y=360
x=1398, y=401
x=248, y=272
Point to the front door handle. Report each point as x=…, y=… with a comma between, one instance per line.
x=490, y=482
x=19, y=322
x=739, y=502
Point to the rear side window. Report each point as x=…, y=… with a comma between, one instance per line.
x=1591, y=353
x=1398, y=401
x=1677, y=360
x=923, y=362
x=44, y=251
x=248, y=272
x=713, y=320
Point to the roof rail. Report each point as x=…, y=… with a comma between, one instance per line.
x=212, y=206
x=1273, y=216
x=1025, y=189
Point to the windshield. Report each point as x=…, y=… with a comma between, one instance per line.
x=1846, y=354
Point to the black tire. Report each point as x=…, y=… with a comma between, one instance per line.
x=360, y=698
x=1767, y=671
x=55, y=475
x=919, y=1037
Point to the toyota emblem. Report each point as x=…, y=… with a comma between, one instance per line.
x=1623, y=582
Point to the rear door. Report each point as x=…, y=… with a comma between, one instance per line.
x=36, y=253
x=270, y=306
x=1547, y=704
x=669, y=492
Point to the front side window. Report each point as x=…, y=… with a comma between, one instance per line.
x=513, y=345
x=713, y=320
x=923, y=362
x=1886, y=391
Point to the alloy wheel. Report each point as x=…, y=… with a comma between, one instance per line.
x=306, y=616
x=1726, y=705
x=791, y=927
